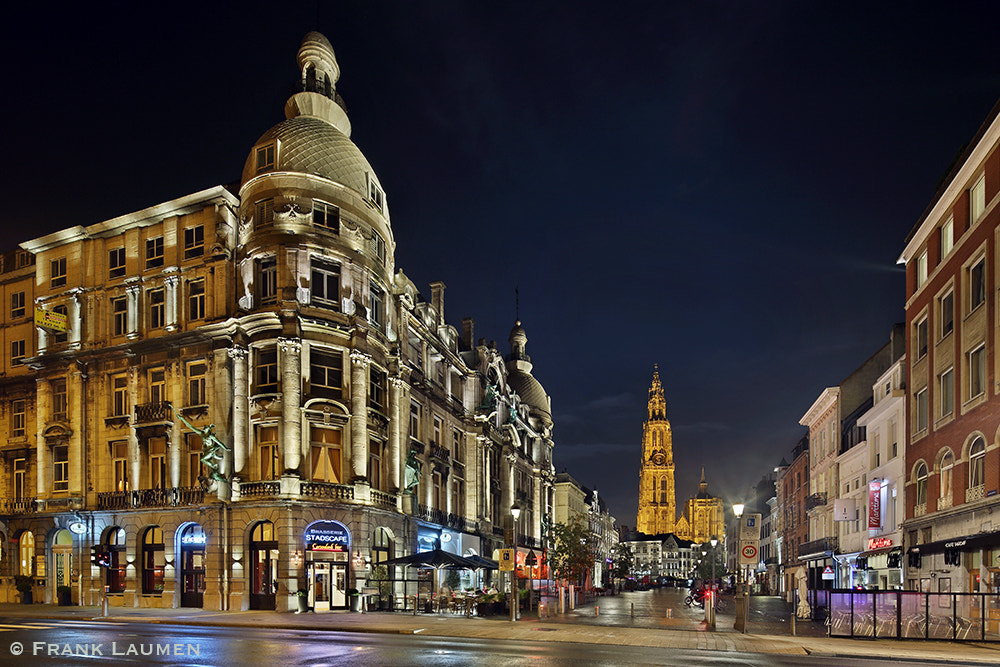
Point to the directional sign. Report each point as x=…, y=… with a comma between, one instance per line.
x=506, y=560
x=748, y=553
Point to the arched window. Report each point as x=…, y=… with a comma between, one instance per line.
x=977, y=457
x=26, y=547
x=114, y=541
x=947, y=463
x=921, y=479
x=152, y=561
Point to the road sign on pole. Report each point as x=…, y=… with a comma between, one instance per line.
x=748, y=552
x=506, y=560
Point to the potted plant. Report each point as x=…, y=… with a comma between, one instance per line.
x=64, y=595
x=23, y=584
x=302, y=595
x=354, y=596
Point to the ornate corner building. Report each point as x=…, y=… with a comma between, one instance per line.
x=237, y=395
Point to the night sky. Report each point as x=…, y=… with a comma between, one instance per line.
x=720, y=188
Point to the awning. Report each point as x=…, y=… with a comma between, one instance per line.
x=819, y=555
x=883, y=550
x=968, y=543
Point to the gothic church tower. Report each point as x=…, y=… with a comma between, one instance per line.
x=657, y=511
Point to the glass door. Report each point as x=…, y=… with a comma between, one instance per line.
x=319, y=587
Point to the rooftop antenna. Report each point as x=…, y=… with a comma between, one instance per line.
x=517, y=305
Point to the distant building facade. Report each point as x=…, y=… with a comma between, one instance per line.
x=657, y=508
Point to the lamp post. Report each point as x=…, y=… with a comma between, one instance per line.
x=711, y=625
x=741, y=616
x=515, y=511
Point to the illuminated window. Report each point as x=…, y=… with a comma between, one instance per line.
x=196, y=299
x=326, y=215
x=947, y=237
x=153, y=561
x=26, y=547
x=115, y=543
x=325, y=455
x=267, y=453
x=922, y=268
x=116, y=263
x=325, y=284
x=194, y=241
x=57, y=272
x=17, y=304
x=154, y=252
x=265, y=158
x=119, y=458
x=977, y=199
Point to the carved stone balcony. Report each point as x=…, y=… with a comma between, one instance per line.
x=266, y=489
x=153, y=413
x=920, y=509
x=327, y=491
x=124, y=500
x=975, y=493
x=945, y=502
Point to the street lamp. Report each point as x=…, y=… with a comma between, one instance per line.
x=714, y=590
x=741, y=612
x=515, y=511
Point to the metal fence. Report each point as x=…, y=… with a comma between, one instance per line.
x=915, y=615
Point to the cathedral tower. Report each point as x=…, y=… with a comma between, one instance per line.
x=657, y=511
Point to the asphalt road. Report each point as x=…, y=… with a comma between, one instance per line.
x=62, y=642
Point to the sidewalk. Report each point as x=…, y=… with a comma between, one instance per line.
x=532, y=629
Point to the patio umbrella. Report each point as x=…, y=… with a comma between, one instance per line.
x=483, y=563
x=437, y=559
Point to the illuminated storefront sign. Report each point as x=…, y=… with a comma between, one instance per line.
x=879, y=542
x=327, y=536
x=874, y=504
x=197, y=538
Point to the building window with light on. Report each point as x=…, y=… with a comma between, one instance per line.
x=977, y=199
x=922, y=268
x=325, y=455
x=152, y=561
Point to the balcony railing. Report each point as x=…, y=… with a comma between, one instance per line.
x=945, y=502
x=440, y=453
x=920, y=509
x=123, y=500
x=150, y=413
x=20, y=506
x=815, y=500
x=260, y=489
x=975, y=493
x=327, y=491
x=818, y=546
x=383, y=499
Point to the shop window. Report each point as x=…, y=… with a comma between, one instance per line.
x=26, y=553
x=153, y=561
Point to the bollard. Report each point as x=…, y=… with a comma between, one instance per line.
x=632, y=605
x=597, y=610
x=793, y=622
x=670, y=613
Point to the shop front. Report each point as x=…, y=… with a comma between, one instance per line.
x=328, y=551
x=192, y=550
x=880, y=567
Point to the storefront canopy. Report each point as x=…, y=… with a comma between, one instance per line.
x=437, y=559
x=968, y=543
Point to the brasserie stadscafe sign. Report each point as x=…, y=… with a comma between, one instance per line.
x=327, y=536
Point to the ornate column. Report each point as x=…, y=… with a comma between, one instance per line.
x=134, y=465
x=43, y=408
x=132, y=295
x=359, y=415
x=75, y=321
x=77, y=457
x=170, y=301
x=291, y=390
x=241, y=411
x=398, y=415
x=176, y=435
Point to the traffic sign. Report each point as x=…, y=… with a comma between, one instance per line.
x=828, y=573
x=506, y=560
x=748, y=553
x=750, y=526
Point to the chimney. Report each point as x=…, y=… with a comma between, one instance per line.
x=467, y=326
x=437, y=300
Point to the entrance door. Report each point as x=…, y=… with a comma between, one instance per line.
x=320, y=588
x=263, y=566
x=62, y=560
x=192, y=566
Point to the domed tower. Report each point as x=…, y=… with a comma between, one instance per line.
x=315, y=229
x=315, y=267
x=521, y=380
x=657, y=511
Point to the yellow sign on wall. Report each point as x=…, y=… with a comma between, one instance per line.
x=51, y=320
x=506, y=560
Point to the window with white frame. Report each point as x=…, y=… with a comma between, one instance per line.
x=892, y=439
x=116, y=262
x=17, y=308
x=947, y=237
x=920, y=410
x=194, y=241
x=920, y=477
x=325, y=284
x=154, y=252
x=977, y=283
x=57, y=272
x=977, y=461
x=375, y=195
x=977, y=199
x=977, y=371
x=922, y=268
x=60, y=468
x=946, y=313
x=946, y=392
x=920, y=335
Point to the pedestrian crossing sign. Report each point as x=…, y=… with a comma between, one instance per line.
x=506, y=560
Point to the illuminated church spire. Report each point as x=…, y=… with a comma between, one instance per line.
x=657, y=511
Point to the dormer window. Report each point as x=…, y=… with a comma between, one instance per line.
x=265, y=158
